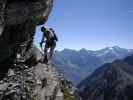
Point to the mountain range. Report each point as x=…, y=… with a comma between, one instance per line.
x=77, y=65
x=112, y=81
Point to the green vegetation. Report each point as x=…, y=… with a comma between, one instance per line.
x=67, y=95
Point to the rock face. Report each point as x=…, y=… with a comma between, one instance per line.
x=113, y=81
x=40, y=82
x=18, y=19
x=22, y=76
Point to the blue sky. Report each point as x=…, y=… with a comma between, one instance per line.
x=91, y=24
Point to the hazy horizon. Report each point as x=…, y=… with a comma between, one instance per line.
x=92, y=49
x=92, y=25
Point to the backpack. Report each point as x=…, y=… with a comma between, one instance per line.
x=52, y=36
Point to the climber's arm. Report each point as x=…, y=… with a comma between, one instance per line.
x=43, y=40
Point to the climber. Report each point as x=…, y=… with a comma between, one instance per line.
x=50, y=38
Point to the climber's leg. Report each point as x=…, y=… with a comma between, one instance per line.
x=52, y=50
x=45, y=60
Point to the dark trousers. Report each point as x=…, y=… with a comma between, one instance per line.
x=51, y=47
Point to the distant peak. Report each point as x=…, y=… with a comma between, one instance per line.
x=65, y=49
x=112, y=48
x=83, y=49
x=116, y=47
x=68, y=50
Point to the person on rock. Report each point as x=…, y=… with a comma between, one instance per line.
x=49, y=38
